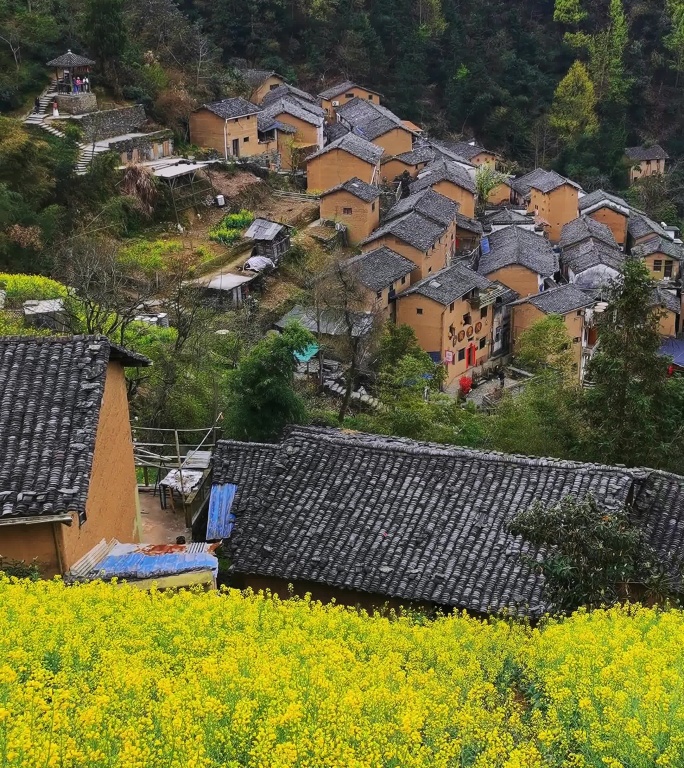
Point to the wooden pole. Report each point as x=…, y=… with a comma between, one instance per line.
x=180, y=477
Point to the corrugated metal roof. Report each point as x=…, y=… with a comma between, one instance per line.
x=144, y=561
x=221, y=518
x=263, y=229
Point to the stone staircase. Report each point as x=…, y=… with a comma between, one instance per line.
x=86, y=154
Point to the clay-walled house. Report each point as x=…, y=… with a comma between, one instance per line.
x=67, y=474
x=290, y=126
x=331, y=99
x=549, y=196
x=607, y=209
x=451, y=180
x=346, y=158
x=570, y=303
x=261, y=82
x=662, y=256
x=228, y=126
x=645, y=161
x=377, y=124
x=354, y=204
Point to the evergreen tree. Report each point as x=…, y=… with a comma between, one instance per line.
x=629, y=377
x=106, y=30
x=573, y=112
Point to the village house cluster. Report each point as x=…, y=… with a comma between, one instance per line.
x=469, y=276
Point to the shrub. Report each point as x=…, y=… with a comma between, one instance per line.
x=231, y=227
x=21, y=288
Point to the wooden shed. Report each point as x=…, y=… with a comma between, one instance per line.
x=271, y=238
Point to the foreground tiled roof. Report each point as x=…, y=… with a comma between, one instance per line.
x=443, y=170
x=334, y=131
x=601, y=199
x=367, y=119
x=444, y=149
x=51, y=391
x=559, y=301
x=584, y=227
x=285, y=91
x=544, y=181
x=659, y=245
x=507, y=217
x=329, y=322
x=450, y=283
x=654, y=152
x=230, y=109
x=413, y=228
x=515, y=245
x=284, y=106
x=354, y=145
x=416, y=521
x=379, y=268
x=70, y=59
x=422, y=154
x=428, y=203
x=358, y=188
x=464, y=148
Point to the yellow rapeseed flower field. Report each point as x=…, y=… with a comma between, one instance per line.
x=99, y=676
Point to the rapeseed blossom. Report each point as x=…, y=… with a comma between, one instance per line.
x=109, y=676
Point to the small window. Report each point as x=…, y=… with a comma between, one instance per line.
x=274, y=86
x=246, y=139
x=372, y=206
x=451, y=307
x=347, y=211
x=370, y=96
x=403, y=281
x=348, y=95
x=576, y=340
x=379, y=294
x=483, y=312
x=430, y=269
x=580, y=312
x=461, y=354
x=466, y=318
x=483, y=343
x=657, y=265
x=668, y=269
x=419, y=311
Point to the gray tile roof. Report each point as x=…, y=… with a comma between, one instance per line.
x=584, y=227
x=450, y=283
x=508, y=217
x=446, y=150
x=70, y=59
x=230, y=109
x=413, y=228
x=424, y=154
x=358, y=188
x=559, y=301
x=463, y=148
x=592, y=253
x=379, y=268
x=264, y=229
x=601, y=199
x=544, y=181
x=334, y=131
x=443, y=170
x=654, y=152
x=339, y=88
x=287, y=106
x=428, y=203
x=329, y=322
x=417, y=521
x=666, y=299
x=367, y=119
x=289, y=91
x=515, y=245
x=255, y=77
x=51, y=391
x=470, y=225
x=659, y=245
x=267, y=122
x=640, y=225
x=354, y=145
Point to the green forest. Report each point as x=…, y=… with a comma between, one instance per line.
x=568, y=84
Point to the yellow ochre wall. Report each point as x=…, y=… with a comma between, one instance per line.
x=522, y=280
x=395, y=167
x=616, y=222
x=268, y=85
x=354, y=92
x=463, y=197
x=558, y=207
x=646, y=168
x=111, y=508
x=336, y=167
x=32, y=542
x=663, y=258
x=364, y=218
x=206, y=130
x=427, y=262
x=395, y=142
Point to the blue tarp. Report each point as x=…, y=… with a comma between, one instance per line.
x=307, y=354
x=132, y=561
x=674, y=348
x=221, y=518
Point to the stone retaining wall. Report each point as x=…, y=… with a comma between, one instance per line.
x=112, y=122
x=75, y=103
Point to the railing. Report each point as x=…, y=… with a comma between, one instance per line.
x=301, y=196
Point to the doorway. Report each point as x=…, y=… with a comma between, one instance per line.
x=236, y=147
